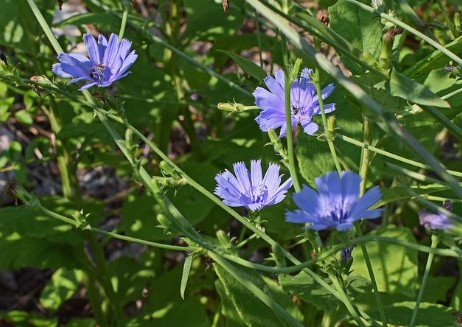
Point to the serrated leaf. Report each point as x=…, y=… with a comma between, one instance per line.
x=408, y=89
x=185, y=275
x=361, y=28
x=248, y=66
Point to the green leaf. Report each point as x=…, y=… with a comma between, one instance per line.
x=314, y=158
x=61, y=287
x=361, y=28
x=186, y=270
x=23, y=117
x=405, y=88
x=250, y=309
x=395, y=267
x=309, y=291
x=430, y=314
x=247, y=65
x=26, y=319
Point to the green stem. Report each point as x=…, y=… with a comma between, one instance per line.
x=46, y=29
x=62, y=218
x=448, y=20
x=363, y=169
x=372, y=277
x=435, y=241
x=389, y=154
x=62, y=153
x=335, y=249
x=407, y=9
x=289, y=135
x=123, y=24
x=338, y=287
x=316, y=78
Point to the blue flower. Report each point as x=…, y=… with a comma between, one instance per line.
x=251, y=190
x=336, y=204
x=108, y=62
x=304, y=103
x=437, y=220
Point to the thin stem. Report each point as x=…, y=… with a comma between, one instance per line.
x=316, y=78
x=435, y=241
x=372, y=277
x=62, y=153
x=62, y=218
x=364, y=164
x=444, y=12
x=289, y=135
x=389, y=154
x=44, y=25
x=123, y=24
x=342, y=294
x=363, y=169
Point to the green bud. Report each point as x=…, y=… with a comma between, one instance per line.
x=126, y=4
x=225, y=106
x=457, y=23
x=223, y=239
x=81, y=220
x=22, y=194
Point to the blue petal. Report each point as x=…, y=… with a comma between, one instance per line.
x=297, y=216
x=273, y=85
x=350, y=182
x=267, y=100
x=306, y=73
x=330, y=190
x=307, y=200
x=58, y=70
x=256, y=176
x=359, y=209
x=102, y=45
x=127, y=63
x=242, y=175
x=92, y=48
x=111, y=51
x=270, y=119
x=310, y=128
x=280, y=193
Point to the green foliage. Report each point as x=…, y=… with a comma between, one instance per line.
x=395, y=267
x=191, y=55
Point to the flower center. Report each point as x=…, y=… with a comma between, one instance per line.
x=338, y=213
x=97, y=73
x=258, y=193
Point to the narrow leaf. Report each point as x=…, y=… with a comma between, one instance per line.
x=408, y=89
x=248, y=66
x=185, y=275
